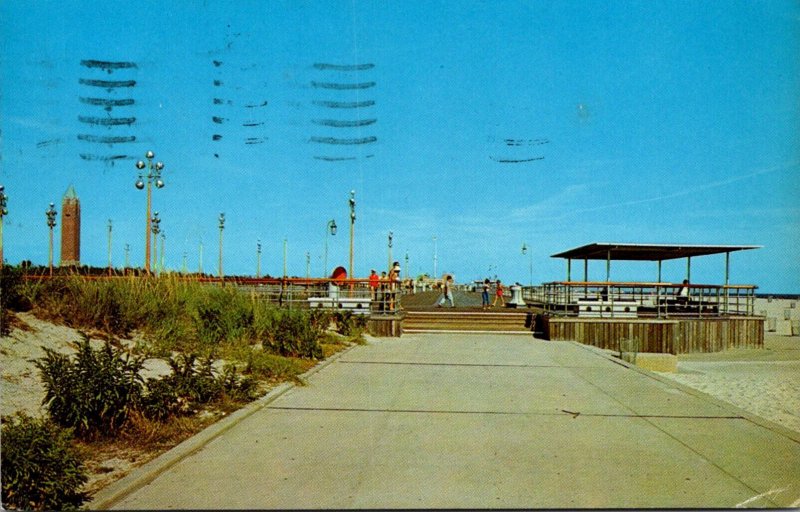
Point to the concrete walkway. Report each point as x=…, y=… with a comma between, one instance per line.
x=479, y=421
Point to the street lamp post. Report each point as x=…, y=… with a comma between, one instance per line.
x=285, y=242
x=390, y=250
x=155, y=223
x=221, y=227
x=109, y=247
x=200, y=258
x=308, y=264
x=163, y=253
x=530, y=262
x=127, y=257
x=406, y=264
x=3, y=213
x=330, y=228
x=435, y=257
x=258, y=258
x=153, y=176
x=352, y=228
x=51, y=223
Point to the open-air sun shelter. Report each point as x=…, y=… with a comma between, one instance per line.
x=609, y=251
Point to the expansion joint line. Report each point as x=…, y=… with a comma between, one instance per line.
x=477, y=365
x=561, y=412
x=679, y=441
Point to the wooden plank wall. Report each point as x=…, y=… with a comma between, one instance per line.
x=383, y=326
x=680, y=336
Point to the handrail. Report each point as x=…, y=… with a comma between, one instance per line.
x=582, y=298
x=620, y=284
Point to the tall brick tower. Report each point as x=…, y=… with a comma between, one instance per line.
x=70, y=229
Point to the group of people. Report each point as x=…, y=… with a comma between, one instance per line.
x=498, y=294
x=384, y=287
x=448, y=287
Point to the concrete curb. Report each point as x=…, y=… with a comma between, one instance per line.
x=105, y=498
x=758, y=420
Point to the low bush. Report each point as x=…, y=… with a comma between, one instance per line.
x=41, y=468
x=348, y=324
x=95, y=392
x=11, y=296
x=297, y=335
x=193, y=383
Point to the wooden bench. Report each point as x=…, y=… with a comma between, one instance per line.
x=356, y=305
x=607, y=309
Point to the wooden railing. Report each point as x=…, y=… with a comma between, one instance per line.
x=642, y=299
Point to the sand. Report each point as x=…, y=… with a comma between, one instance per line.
x=21, y=389
x=763, y=382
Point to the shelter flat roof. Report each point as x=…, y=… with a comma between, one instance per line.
x=646, y=252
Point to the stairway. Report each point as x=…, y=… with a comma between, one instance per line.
x=510, y=322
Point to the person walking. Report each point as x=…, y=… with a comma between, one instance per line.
x=447, y=292
x=498, y=294
x=485, y=294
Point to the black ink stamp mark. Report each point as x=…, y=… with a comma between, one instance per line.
x=344, y=124
x=344, y=104
x=336, y=141
x=343, y=67
x=342, y=87
x=107, y=121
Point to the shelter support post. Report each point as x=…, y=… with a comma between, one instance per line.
x=585, y=277
x=689, y=269
x=727, y=278
x=658, y=292
x=569, y=288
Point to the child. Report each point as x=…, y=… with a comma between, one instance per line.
x=498, y=294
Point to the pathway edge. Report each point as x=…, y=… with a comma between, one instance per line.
x=106, y=497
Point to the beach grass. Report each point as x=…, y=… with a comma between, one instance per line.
x=176, y=315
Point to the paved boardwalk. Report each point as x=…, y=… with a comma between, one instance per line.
x=483, y=421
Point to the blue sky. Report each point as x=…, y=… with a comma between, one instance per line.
x=484, y=124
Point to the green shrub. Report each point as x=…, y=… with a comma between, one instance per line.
x=41, y=468
x=193, y=383
x=11, y=296
x=235, y=387
x=161, y=401
x=224, y=314
x=93, y=393
x=265, y=321
x=296, y=335
x=348, y=324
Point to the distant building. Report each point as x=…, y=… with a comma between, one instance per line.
x=70, y=229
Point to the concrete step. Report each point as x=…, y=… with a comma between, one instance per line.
x=442, y=320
